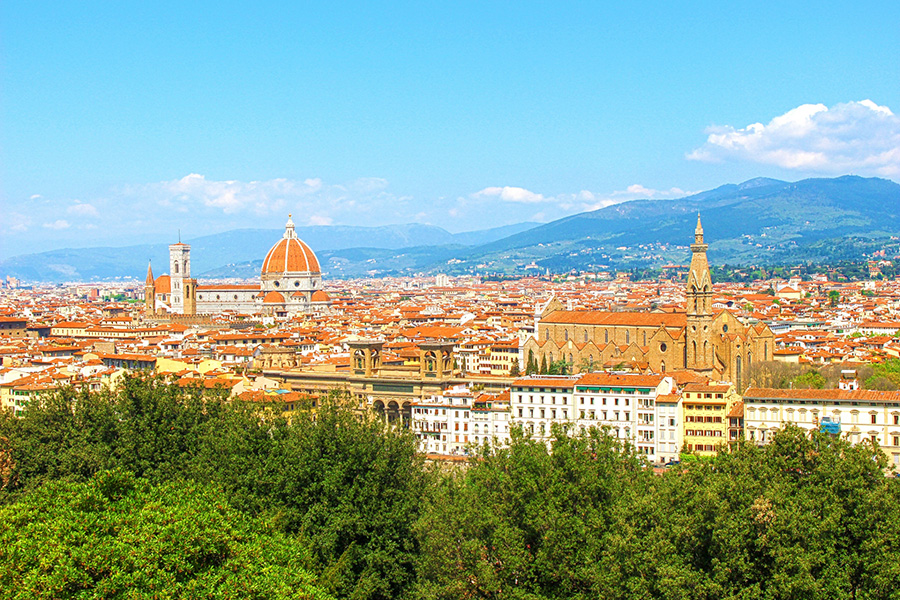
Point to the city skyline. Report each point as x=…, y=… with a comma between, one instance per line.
x=125, y=125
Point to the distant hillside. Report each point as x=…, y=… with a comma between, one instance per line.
x=759, y=221
x=221, y=252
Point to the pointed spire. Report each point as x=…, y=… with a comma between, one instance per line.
x=150, y=280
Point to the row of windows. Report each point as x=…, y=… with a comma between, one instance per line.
x=603, y=401
x=701, y=447
x=586, y=337
x=543, y=413
x=802, y=414
x=699, y=419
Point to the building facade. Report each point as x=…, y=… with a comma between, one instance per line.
x=859, y=415
x=715, y=344
x=643, y=410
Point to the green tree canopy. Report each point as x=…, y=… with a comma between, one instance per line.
x=116, y=536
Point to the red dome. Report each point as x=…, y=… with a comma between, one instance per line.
x=290, y=255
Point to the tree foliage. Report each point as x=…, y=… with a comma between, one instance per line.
x=117, y=536
x=116, y=491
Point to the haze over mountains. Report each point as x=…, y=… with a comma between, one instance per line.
x=760, y=221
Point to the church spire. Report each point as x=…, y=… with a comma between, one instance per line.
x=699, y=352
x=698, y=245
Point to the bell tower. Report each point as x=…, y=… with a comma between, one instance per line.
x=698, y=337
x=183, y=287
x=150, y=292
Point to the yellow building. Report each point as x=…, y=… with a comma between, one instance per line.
x=705, y=409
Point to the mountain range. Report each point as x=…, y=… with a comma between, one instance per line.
x=220, y=251
x=761, y=221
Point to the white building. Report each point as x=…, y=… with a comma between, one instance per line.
x=641, y=409
x=629, y=405
x=460, y=418
x=538, y=402
x=858, y=415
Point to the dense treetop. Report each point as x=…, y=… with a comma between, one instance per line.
x=235, y=495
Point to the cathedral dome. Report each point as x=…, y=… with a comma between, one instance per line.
x=290, y=255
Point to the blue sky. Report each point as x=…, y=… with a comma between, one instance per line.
x=123, y=122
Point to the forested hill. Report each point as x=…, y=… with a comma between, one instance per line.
x=761, y=221
x=758, y=221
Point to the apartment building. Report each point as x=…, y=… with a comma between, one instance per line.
x=706, y=408
x=640, y=409
x=858, y=415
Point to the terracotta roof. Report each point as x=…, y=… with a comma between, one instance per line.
x=832, y=394
x=544, y=382
x=613, y=379
x=712, y=388
x=290, y=255
x=634, y=319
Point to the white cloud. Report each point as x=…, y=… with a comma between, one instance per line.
x=83, y=209
x=859, y=137
x=230, y=196
x=57, y=224
x=568, y=203
x=18, y=222
x=510, y=194
x=320, y=220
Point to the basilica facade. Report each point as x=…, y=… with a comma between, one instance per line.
x=699, y=339
x=291, y=283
